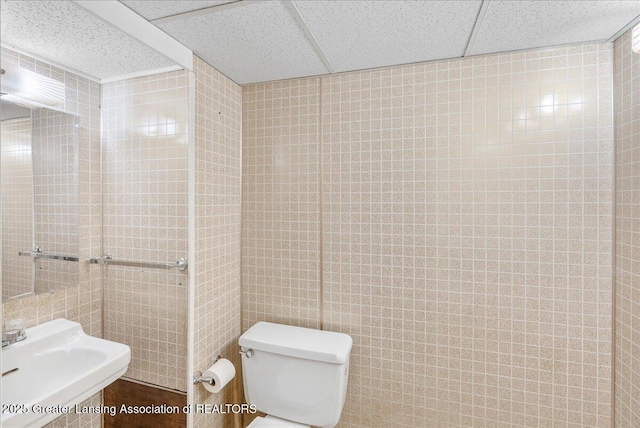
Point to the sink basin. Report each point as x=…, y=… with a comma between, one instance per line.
x=56, y=365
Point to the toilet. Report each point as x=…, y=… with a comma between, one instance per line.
x=297, y=376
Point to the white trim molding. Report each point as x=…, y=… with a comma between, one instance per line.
x=141, y=74
x=624, y=29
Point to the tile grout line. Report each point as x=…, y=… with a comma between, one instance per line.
x=320, y=206
x=613, y=236
x=191, y=235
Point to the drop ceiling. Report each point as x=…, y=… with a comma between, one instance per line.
x=253, y=41
x=514, y=25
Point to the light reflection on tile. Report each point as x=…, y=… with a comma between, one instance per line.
x=145, y=218
x=466, y=239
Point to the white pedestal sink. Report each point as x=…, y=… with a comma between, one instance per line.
x=56, y=367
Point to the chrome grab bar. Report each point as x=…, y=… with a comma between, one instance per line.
x=37, y=253
x=181, y=264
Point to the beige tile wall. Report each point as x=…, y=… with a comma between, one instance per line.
x=80, y=420
x=466, y=235
x=280, y=206
x=627, y=221
x=17, y=207
x=144, y=137
x=55, y=195
x=81, y=303
x=218, y=175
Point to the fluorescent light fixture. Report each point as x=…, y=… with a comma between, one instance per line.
x=30, y=89
x=635, y=39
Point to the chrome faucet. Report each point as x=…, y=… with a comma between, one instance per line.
x=14, y=333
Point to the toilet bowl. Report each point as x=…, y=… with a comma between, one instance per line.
x=297, y=376
x=273, y=422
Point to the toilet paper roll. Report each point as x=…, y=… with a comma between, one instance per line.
x=222, y=371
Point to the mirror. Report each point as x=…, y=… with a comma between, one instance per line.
x=39, y=195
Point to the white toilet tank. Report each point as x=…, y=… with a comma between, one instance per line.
x=295, y=373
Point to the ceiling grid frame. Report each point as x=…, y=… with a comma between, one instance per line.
x=249, y=41
x=476, y=27
x=204, y=11
x=362, y=35
x=289, y=4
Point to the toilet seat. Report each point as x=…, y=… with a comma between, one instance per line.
x=273, y=422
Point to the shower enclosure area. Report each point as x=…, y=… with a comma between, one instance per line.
x=171, y=190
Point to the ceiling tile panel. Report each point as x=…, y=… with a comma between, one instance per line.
x=251, y=43
x=153, y=9
x=515, y=25
x=365, y=34
x=67, y=34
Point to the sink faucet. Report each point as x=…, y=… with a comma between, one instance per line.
x=14, y=332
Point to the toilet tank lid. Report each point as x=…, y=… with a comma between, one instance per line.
x=299, y=342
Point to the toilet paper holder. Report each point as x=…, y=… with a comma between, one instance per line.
x=198, y=378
